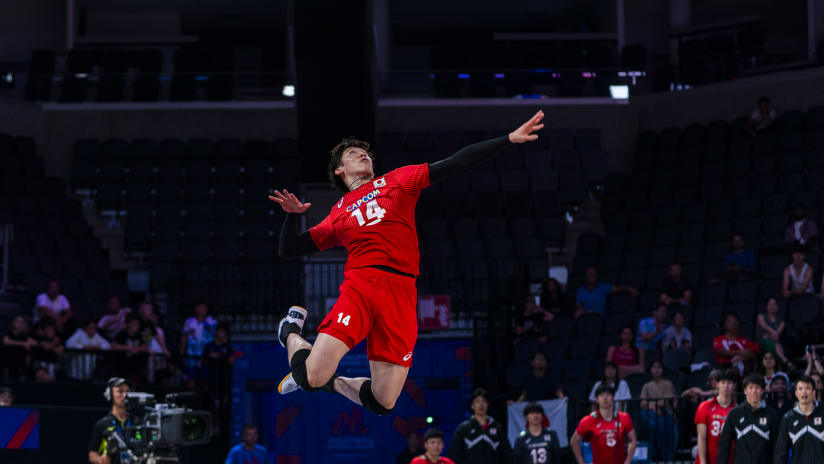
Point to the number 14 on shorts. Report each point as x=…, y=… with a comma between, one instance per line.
x=344, y=319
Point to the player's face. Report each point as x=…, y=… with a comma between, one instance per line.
x=605, y=400
x=804, y=393
x=479, y=405
x=754, y=393
x=725, y=388
x=534, y=418
x=434, y=447
x=355, y=162
x=120, y=392
x=250, y=436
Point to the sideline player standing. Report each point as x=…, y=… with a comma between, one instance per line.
x=606, y=431
x=433, y=442
x=802, y=428
x=749, y=427
x=375, y=222
x=536, y=444
x=710, y=418
x=480, y=439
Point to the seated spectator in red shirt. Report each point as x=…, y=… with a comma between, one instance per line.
x=626, y=356
x=802, y=233
x=733, y=350
x=676, y=288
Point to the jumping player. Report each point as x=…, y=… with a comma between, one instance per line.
x=375, y=222
x=710, y=417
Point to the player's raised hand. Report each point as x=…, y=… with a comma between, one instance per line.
x=289, y=202
x=525, y=132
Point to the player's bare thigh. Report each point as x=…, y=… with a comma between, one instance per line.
x=387, y=381
x=324, y=359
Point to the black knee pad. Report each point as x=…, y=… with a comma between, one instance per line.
x=370, y=403
x=298, y=365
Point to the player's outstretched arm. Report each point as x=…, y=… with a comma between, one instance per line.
x=292, y=242
x=482, y=151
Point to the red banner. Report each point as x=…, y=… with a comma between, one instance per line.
x=433, y=312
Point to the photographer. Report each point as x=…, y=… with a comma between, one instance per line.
x=102, y=449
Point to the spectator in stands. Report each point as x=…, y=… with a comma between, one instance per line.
x=6, y=396
x=433, y=442
x=801, y=233
x=248, y=451
x=532, y=322
x=41, y=375
x=538, y=385
x=412, y=450
x=651, y=331
x=114, y=321
x=150, y=330
x=812, y=362
x=778, y=395
x=553, y=298
x=740, y=262
x=18, y=344
x=798, y=276
x=733, y=350
x=611, y=379
x=769, y=367
x=170, y=375
x=592, y=296
x=676, y=289
x=626, y=356
x=86, y=338
x=49, y=346
x=696, y=393
x=657, y=409
x=769, y=331
x=761, y=119
x=198, y=331
x=819, y=385
x=134, y=347
x=677, y=336
x=54, y=305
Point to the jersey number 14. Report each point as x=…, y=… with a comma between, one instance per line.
x=374, y=214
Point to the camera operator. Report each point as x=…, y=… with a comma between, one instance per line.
x=102, y=449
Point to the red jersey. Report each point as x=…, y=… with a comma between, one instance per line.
x=711, y=414
x=376, y=221
x=737, y=344
x=422, y=459
x=608, y=438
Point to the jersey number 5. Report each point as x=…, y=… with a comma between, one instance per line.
x=374, y=214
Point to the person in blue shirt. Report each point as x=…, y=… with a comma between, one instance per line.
x=740, y=262
x=592, y=296
x=248, y=451
x=651, y=329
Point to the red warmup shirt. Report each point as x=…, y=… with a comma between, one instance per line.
x=376, y=221
x=422, y=459
x=607, y=438
x=737, y=344
x=711, y=414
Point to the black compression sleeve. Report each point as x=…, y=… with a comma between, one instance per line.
x=466, y=157
x=293, y=243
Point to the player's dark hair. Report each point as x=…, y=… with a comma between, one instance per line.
x=806, y=379
x=533, y=406
x=756, y=379
x=730, y=314
x=479, y=392
x=250, y=427
x=536, y=353
x=336, y=159
x=764, y=99
x=604, y=389
x=433, y=433
x=727, y=374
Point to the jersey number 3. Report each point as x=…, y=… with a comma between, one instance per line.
x=374, y=214
x=715, y=429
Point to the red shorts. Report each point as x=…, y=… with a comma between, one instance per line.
x=379, y=306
